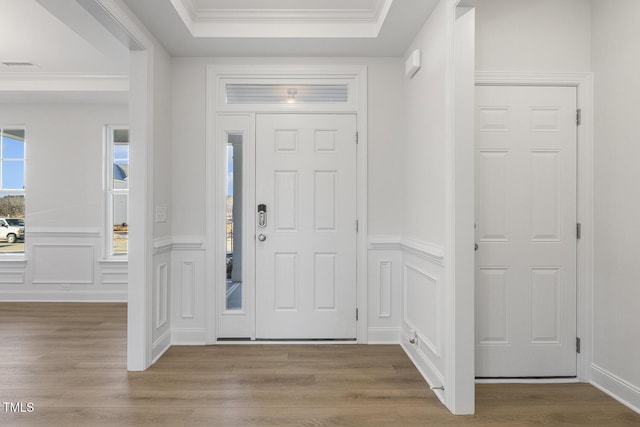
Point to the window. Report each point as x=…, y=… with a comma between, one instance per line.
x=286, y=93
x=12, y=177
x=117, y=190
x=234, y=223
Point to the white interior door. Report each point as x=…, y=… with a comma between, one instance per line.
x=526, y=231
x=306, y=250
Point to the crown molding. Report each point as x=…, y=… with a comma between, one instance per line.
x=282, y=23
x=61, y=82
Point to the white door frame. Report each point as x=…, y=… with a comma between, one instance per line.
x=217, y=77
x=583, y=82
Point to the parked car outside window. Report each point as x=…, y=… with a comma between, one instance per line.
x=12, y=229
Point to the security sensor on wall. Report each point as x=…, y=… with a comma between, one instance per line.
x=413, y=63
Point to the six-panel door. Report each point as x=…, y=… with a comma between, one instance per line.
x=525, y=231
x=306, y=248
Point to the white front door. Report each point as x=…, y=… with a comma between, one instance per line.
x=526, y=231
x=306, y=245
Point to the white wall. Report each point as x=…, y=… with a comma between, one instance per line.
x=540, y=35
x=150, y=275
x=437, y=240
x=65, y=205
x=162, y=167
x=162, y=143
x=424, y=205
x=425, y=124
x=616, y=64
x=385, y=138
x=189, y=219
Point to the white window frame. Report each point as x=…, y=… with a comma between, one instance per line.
x=17, y=191
x=111, y=193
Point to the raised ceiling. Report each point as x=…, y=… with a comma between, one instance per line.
x=283, y=27
x=283, y=18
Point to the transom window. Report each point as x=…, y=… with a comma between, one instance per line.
x=287, y=93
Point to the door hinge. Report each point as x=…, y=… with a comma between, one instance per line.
x=356, y=314
x=579, y=116
x=578, y=231
x=578, y=345
x=357, y=226
x=357, y=137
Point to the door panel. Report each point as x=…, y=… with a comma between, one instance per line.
x=306, y=260
x=525, y=230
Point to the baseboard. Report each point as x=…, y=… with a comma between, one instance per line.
x=188, y=336
x=160, y=346
x=619, y=389
x=383, y=335
x=527, y=381
x=63, y=296
x=429, y=372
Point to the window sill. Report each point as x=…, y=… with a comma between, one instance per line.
x=124, y=260
x=14, y=260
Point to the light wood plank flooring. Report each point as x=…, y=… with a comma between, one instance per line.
x=69, y=360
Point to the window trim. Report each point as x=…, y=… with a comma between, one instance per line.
x=110, y=193
x=14, y=256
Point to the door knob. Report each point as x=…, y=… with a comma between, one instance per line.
x=262, y=237
x=475, y=247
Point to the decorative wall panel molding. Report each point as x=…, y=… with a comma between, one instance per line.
x=385, y=286
x=167, y=244
x=187, y=289
x=422, y=312
x=11, y=276
x=426, y=250
x=63, y=263
x=113, y=272
x=162, y=282
x=66, y=234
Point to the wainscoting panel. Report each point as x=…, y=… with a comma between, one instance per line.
x=65, y=265
x=188, y=290
x=161, y=297
x=424, y=314
x=161, y=294
x=384, y=290
x=422, y=309
x=11, y=275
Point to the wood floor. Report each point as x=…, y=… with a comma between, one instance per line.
x=69, y=362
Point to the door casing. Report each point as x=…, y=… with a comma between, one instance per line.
x=583, y=82
x=217, y=77
x=515, y=357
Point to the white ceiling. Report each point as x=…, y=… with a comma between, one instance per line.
x=283, y=27
x=29, y=32
x=283, y=18
x=84, y=64
x=76, y=59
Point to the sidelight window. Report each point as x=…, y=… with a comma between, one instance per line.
x=234, y=222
